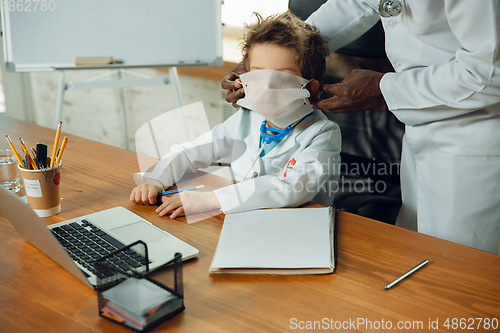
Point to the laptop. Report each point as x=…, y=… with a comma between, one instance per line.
x=75, y=244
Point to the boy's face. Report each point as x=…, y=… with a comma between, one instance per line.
x=271, y=56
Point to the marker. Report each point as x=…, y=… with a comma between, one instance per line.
x=41, y=154
x=181, y=190
x=405, y=275
x=56, y=142
x=59, y=156
x=19, y=159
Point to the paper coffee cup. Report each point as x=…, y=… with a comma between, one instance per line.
x=43, y=189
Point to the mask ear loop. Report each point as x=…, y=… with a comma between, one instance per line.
x=303, y=86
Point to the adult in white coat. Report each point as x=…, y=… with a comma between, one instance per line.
x=446, y=89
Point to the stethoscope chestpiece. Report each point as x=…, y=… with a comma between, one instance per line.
x=388, y=8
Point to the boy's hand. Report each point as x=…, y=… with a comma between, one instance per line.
x=188, y=202
x=145, y=194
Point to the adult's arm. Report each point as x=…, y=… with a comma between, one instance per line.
x=341, y=22
x=467, y=81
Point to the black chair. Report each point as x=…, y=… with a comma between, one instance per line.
x=371, y=140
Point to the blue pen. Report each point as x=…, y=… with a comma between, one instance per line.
x=181, y=190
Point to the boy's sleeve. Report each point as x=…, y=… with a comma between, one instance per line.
x=313, y=167
x=193, y=155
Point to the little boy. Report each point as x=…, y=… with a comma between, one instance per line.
x=292, y=150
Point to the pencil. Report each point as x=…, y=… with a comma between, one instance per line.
x=19, y=160
x=63, y=145
x=33, y=159
x=29, y=158
x=56, y=142
x=181, y=190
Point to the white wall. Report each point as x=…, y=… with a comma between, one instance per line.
x=16, y=90
x=236, y=12
x=94, y=113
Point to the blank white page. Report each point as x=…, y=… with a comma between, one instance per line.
x=275, y=238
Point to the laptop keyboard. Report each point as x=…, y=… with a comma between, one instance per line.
x=85, y=243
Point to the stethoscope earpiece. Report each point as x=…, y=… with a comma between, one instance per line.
x=388, y=8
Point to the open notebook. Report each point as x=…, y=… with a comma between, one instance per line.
x=277, y=241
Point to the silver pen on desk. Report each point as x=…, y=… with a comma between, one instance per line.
x=405, y=275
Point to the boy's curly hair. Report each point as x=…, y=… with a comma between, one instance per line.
x=287, y=30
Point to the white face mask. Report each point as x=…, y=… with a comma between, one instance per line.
x=280, y=97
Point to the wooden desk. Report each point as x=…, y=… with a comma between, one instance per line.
x=37, y=295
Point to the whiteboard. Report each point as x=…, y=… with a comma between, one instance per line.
x=136, y=33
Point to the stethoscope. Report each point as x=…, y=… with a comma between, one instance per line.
x=269, y=138
x=388, y=8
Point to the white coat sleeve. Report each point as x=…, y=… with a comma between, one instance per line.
x=341, y=22
x=468, y=81
x=194, y=155
x=313, y=167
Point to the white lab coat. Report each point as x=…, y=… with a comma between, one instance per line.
x=314, y=144
x=446, y=90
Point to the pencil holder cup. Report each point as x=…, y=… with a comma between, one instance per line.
x=43, y=189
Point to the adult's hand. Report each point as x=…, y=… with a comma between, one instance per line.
x=359, y=91
x=233, y=87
